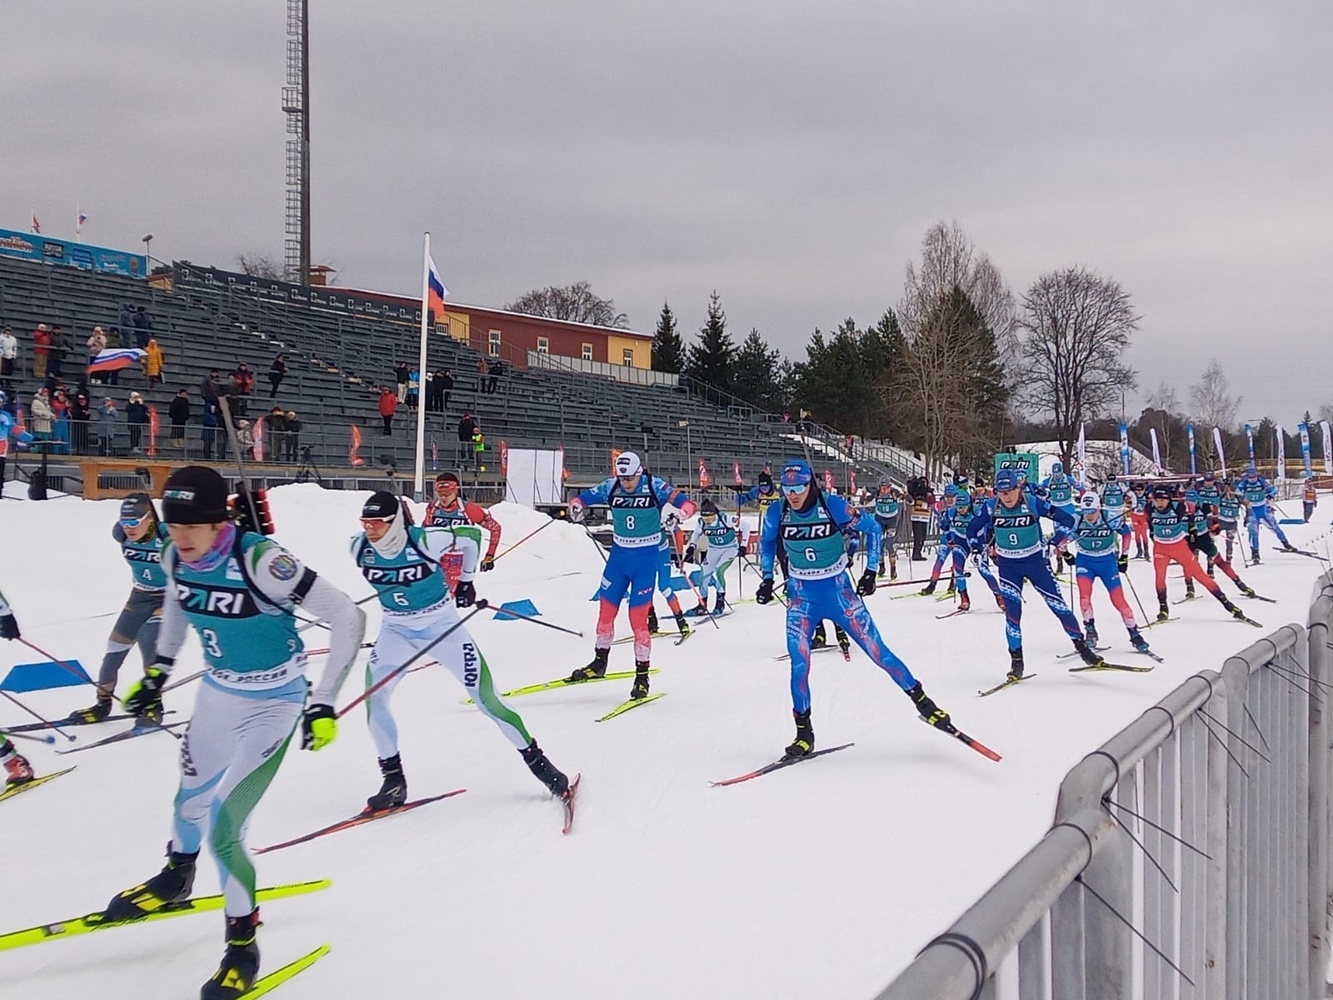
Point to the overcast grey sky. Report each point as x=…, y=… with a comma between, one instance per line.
x=788, y=154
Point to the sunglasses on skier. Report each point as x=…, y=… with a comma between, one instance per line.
x=134, y=522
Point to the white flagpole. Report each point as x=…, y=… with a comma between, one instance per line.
x=418, y=480
x=78, y=221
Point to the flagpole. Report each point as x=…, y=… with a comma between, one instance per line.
x=78, y=222
x=418, y=480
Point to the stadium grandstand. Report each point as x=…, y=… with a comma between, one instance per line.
x=555, y=384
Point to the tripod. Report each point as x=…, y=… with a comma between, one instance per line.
x=307, y=468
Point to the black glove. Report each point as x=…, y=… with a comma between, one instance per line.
x=867, y=585
x=9, y=627
x=1193, y=540
x=465, y=594
x=1122, y=562
x=319, y=727
x=145, y=695
x=488, y=564
x=1068, y=557
x=764, y=595
x=689, y=554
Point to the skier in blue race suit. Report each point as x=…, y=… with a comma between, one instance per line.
x=636, y=501
x=811, y=527
x=943, y=518
x=1256, y=491
x=1011, y=521
x=955, y=535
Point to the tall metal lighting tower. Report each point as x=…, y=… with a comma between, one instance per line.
x=296, y=103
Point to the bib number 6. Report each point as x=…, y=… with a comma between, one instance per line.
x=810, y=555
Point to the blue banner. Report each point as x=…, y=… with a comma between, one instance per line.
x=1190, y=428
x=28, y=246
x=1304, y=430
x=1249, y=441
x=1124, y=448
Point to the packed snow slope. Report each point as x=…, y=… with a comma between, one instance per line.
x=822, y=880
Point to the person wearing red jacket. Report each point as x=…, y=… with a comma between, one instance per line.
x=388, y=403
x=449, y=509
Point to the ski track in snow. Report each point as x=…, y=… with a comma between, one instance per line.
x=666, y=887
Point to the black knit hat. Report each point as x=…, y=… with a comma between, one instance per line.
x=194, y=494
x=383, y=504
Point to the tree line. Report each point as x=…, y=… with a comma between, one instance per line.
x=960, y=368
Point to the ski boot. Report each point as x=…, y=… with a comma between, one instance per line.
x=1254, y=556
x=880, y=572
x=928, y=710
x=683, y=625
x=17, y=771
x=1189, y=590
x=1245, y=589
x=1211, y=574
x=1087, y=653
x=805, y=737
x=594, y=670
x=1287, y=546
x=240, y=962
x=543, y=770
x=1090, y=632
x=1015, y=665
x=844, y=643
x=1136, y=640
x=96, y=712
x=698, y=611
x=964, y=602
x=172, y=884
x=1163, y=611
x=820, y=639
x=720, y=608
x=928, y=589
x=393, y=792
x=1233, y=611
x=951, y=589
x=640, y=688
x=652, y=620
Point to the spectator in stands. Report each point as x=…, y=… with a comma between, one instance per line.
x=209, y=386
x=400, y=375
x=114, y=340
x=494, y=372
x=96, y=345
x=276, y=373
x=106, y=427
x=127, y=319
x=143, y=327
x=235, y=397
x=245, y=440
x=179, y=412
x=9, y=352
x=275, y=433
x=59, y=349
x=41, y=350
x=137, y=415
x=446, y=383
x=478, y=446
x=245, y=379
x=152, y=363
x=293, y=435
x=388, y=403
x=482, y=372
x=413, y=389
x=60, y=430
x=467, y=426
x=43, y=418
x=80, y=420
x=212, y=424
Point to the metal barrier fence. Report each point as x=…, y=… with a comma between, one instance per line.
x=1189, y=857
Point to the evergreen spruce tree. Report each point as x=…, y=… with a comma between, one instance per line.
x=756, y=373
x=710, y=360
x=668, y=348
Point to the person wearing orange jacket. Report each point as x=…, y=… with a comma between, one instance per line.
x=1309, y=497
x=449, y=509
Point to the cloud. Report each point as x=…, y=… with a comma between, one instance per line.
x=789, y=155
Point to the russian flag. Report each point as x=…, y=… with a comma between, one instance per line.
x=115, y=358
x=435, y=291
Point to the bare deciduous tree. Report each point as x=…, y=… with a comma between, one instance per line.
x=576, y=303
x=258, y=264
x=949, y=260
x=1214, y=406
x=1075, y=327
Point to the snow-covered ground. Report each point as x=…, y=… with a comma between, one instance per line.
x=821, y=881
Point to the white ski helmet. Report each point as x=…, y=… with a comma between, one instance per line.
x=628, y=464
x=1089, y=500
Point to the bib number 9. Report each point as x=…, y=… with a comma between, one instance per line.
x=1013, y=539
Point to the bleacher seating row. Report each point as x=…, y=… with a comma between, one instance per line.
x=337, y=362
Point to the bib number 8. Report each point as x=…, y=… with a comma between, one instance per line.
x=629, y=522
